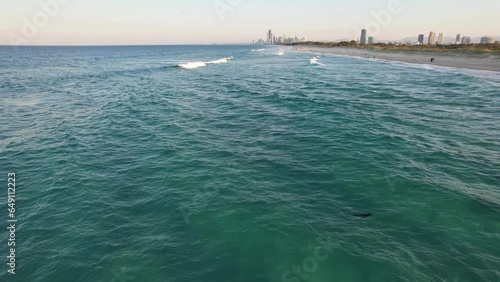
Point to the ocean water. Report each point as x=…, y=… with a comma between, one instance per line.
x=233, y=163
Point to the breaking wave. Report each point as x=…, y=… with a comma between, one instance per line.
x=314, y=61
x=195, y=65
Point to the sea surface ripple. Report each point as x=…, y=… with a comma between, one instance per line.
x=219, y=163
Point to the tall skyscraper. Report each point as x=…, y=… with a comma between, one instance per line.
x=363, y=37
x=270, y=37
x=432, y=38
x=370, y=40
x=457, y=41
x=421, y=39
x=441, y=39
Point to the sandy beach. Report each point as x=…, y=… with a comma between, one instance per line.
x=457, y=60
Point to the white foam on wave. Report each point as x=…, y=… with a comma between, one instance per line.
x=281, y=52
x=314, y=61
x=195, y=65
x=258, y=50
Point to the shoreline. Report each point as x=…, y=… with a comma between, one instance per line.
x=446, y=60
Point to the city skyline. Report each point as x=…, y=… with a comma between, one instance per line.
x=272, y=39
x=431, y=39
x=364, y=39
x=77, y=22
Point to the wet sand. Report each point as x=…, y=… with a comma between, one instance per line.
x=457, y=60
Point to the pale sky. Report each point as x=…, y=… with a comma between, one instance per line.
x=116, y=22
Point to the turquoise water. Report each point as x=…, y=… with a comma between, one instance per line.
x=132, y=165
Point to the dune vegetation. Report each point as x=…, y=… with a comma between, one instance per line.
x=472, y=49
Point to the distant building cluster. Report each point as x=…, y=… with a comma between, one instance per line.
x=465, y=40
x=271, y=39
x=365, y=39
x=433, y=39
